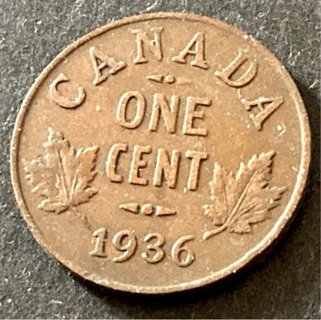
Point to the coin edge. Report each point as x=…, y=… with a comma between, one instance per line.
x=273, y=234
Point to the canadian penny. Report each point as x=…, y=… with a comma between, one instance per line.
x=160, y=153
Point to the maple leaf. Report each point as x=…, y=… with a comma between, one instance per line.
x=244, y=199
x=62, y=176
x=223, y=189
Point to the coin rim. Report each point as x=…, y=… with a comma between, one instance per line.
x=232, y=268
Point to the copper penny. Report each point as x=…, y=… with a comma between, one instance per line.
x=160, y=153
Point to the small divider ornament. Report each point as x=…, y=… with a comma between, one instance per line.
x=147, y=209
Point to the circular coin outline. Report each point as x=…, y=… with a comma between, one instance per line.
x=251, y=254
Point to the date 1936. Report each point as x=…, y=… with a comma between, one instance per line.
x=126, y=243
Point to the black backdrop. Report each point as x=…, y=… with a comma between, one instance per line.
x=285, y=285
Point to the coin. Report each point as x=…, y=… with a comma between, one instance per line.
x=160, y=153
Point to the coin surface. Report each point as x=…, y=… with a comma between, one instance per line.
x=160, y=153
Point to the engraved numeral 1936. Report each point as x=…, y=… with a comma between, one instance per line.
x=100, y=235
x=154, y=252
x=126, y=243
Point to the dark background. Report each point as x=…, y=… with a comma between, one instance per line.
x=285, y=285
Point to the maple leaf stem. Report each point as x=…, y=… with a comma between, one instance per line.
x=62, y=177
x=209, y=234
x=74, y=181
x=83, y=218
x=233, y=215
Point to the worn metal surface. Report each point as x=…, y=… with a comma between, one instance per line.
x=152, y=203
x=216, y=222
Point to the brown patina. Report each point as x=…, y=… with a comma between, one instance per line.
x=160, y=153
